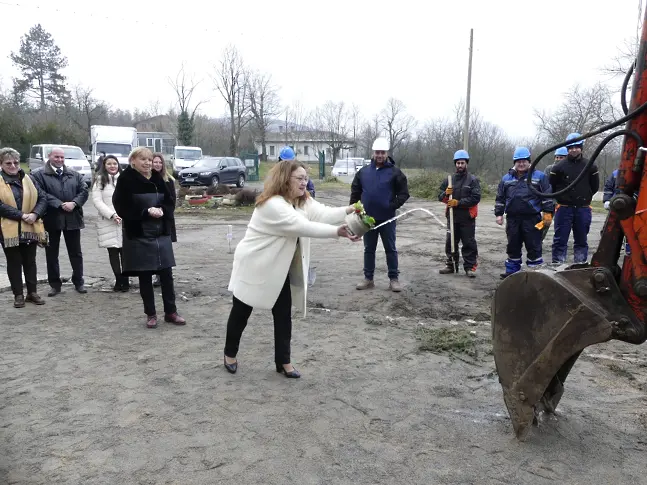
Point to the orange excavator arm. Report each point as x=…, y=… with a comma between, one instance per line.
x=543, y=319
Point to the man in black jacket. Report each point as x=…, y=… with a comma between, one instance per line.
x=573, y=210
x=466, y=195
x=66, y=193
x=382, y=188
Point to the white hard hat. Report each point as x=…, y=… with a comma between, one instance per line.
x=381, y=144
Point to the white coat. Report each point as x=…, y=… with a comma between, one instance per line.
x=109, y=233
x=268, y=251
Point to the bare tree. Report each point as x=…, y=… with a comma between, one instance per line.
x=356, y=121
x=296, y=118
x=84, y=109
x=230, y=80
x=330, y=127
x=369, y=132
x=184, y=90
x=623, y=60
x=264, y=105
x=397, y=123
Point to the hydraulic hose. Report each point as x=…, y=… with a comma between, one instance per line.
x=603, y=143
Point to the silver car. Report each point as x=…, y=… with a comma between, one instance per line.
x=74, y=159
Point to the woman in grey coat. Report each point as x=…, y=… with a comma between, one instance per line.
x=145, y=205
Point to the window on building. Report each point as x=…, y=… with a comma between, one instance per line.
x=306, y=150
x=149, y=142
x=271, y=150
x=281, y=128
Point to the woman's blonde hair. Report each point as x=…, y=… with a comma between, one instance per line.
x=278, y=182
x=140, y=152
x=165, y=175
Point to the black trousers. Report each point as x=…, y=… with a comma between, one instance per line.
x=22, y=258
x=464, y=232
x=282, y=313
x=148, y=293
x=73, y=244
x=115, y=256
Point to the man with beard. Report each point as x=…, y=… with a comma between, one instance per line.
x=383, y=189
x=466, y=194
x=573, y=210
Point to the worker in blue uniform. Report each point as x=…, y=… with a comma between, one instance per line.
x=573, y=210
x=523, y=210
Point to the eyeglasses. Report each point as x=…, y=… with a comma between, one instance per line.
x=301, y=179
x=15, y=164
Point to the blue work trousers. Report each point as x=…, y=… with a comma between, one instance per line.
x=579, y=220
x=521, y=231
x=387, y=234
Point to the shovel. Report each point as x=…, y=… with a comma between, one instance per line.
x=451, y=229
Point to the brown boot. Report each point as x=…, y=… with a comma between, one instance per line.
x=365, y=284
x=19, y=301
x=35, y=299
x=174, y=318
x=151, y=321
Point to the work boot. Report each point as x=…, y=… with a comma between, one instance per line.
x=53, y=292
x=35, y=299
x=395, y=286
x=81, y=289
x=449, y=269
x=471, y=273
x=19, y=301
x=365, y=284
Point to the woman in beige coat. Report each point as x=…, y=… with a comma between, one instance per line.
x=271, y=263
x=109, y=232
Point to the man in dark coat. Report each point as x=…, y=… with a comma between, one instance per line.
x=573, y=211
x=66, y=192
x=382, y=188
x=466, y=195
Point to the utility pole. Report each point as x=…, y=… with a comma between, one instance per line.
x=466, y=135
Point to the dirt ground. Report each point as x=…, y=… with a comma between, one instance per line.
x=88, y=395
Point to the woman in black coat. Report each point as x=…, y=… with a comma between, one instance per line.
x=159, y=165
x=145, y=205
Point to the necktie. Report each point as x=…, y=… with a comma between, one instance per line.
x=59, y=172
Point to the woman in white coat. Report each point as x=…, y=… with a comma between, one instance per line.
x=109, y=231
x=270, y=269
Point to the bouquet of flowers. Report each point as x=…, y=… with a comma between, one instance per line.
x=359, y=222
x=366, y=219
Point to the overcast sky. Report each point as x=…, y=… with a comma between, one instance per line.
x=526, y=54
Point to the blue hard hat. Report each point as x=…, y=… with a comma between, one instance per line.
x=573, y=136
x=561, y=152
x=521, y=153
x=461, y=155
x=287, y=153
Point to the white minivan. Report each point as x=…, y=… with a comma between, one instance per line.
x=75, y=159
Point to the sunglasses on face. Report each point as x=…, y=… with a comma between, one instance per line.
x=15, y=164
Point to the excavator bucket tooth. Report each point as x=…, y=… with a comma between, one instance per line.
x=541, y=322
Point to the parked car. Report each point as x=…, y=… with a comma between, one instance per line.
x=211, y=171
x=75, y=159
x=343, y=167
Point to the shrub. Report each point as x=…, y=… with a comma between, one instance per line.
x=426, y=185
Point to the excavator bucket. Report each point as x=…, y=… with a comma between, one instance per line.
x=541, y=322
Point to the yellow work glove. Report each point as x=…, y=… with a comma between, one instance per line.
x=540, y=225
x=452, y=203
x=548, y=218
x=449, y=191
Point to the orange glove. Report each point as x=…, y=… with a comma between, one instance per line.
x=452, y=203
x=548, y=218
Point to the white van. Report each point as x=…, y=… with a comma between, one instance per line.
x=74, y=159
x=185, y=157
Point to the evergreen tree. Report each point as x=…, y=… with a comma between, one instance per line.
x=40, y=62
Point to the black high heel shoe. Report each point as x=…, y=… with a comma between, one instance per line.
x=293, y=374
x=231, y=368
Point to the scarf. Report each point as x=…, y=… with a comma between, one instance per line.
x=10, y=228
